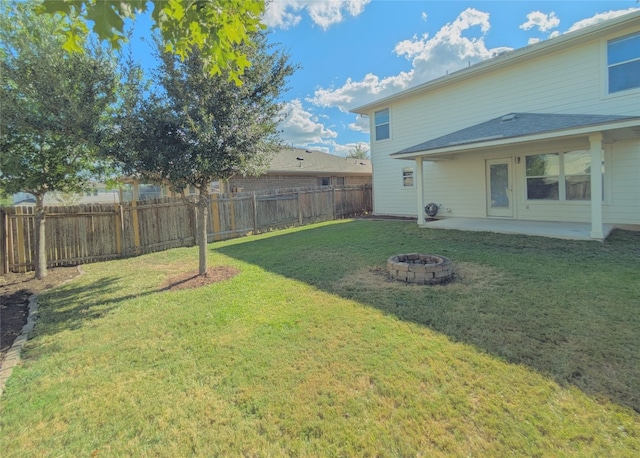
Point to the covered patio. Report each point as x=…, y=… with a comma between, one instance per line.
x=522, y=197
x=560, y=230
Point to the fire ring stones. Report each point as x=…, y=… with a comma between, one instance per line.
x=420, y=269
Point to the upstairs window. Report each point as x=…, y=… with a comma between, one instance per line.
x=381, y=119
x=623, y=62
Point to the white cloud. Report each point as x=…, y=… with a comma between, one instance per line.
x=361, y=125
x=449, y=50
x=543, y=22
x=301, y=127
x=282, y=14
x=344, y=150
x=353, y=92
x=600, y=17
x=288, y=13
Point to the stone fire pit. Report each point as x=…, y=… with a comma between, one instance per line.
x=420, y=269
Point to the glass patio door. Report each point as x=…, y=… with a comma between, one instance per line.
x=499, y=188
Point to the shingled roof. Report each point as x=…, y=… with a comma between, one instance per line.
x=295, y=161
x=514, y=125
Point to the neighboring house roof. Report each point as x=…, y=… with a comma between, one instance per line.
x=515, y=125
x=295, y=161
x=508, y=58
x=25, y=201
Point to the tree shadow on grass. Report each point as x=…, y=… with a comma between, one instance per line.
x=73, y=305
x=566, y=309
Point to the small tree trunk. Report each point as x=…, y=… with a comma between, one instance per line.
x=41, y=249
x=203, y=218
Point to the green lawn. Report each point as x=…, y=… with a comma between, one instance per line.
x=310, y=351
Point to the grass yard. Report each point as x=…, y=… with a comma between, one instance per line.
x=534, y=350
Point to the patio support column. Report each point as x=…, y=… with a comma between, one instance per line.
x=420, y=191
x=597, y=155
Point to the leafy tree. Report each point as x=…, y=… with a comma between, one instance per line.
x=5, y=200
x=214, y=27
x=359, y=152
x=52, y=104
x=200, y=127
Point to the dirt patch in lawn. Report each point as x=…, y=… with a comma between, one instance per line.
x=188, y=280
x=467, y=276
x=15, y=290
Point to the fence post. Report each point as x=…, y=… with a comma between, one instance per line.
x=4, y=255
x=136, y=225
x=20, y=242
x=118, y=222
x=215, y=216
x=299, y=193
x=255, y=213
x=232, y=214
x=333, y=201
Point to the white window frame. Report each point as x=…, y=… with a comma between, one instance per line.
x=606, y=66
x=562, y=180
x=376, y=125
x=408, y=172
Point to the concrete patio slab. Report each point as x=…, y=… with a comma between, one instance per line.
x=571, y=231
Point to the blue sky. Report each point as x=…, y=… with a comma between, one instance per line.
x=354, y=51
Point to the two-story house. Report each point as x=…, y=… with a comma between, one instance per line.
x=549, y=132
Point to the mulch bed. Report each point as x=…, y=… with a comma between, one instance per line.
x=15, y=290
x=189, y=280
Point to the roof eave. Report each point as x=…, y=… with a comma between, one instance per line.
x=509, y=58
x=551, y=135
x=319, y=172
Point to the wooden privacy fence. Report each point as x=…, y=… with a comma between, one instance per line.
x=91, y=233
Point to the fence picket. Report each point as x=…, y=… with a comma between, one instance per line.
x=92, y=233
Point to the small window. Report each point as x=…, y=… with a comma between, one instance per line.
x=339, y=181
x=324, y=181
x=407, y=177
x=623, y=62
x=382, y=124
